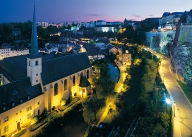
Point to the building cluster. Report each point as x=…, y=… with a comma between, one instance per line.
x=33, y=82
x=168, y=21
x=6, y=50
x=46, y=24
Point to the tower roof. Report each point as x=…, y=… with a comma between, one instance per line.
x=34, y=44
x=84, y=82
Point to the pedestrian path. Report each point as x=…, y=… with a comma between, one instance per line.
x=122, y=76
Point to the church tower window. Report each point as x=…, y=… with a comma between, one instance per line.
x=29, y=63
x=55, y=89
x=36, y=63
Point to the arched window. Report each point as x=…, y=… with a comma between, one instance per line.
x=29, y=63
x=55, y=89
x=87, y=74
x=73, y=80
x=65, y=84
x=36, y=63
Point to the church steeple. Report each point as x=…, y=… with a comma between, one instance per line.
x=34, y=43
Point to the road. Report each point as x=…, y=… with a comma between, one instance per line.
x=182, y=109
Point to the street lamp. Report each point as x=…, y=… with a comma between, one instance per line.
x=168, y=101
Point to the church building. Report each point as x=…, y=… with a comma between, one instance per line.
x=32, y=82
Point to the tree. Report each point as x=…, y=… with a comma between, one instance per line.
x=101, y=78
x=188, y=72
x=183, y=18
x=165, y=118
x=26, y=29
x=52, y=29
x=91, y=106
x=5, y=33
x=104, y=86
x=159, y=131
x=82, y=28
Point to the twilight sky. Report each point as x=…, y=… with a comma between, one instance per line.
x=88, y=10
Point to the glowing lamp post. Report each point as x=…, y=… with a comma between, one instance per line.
x=168, y=102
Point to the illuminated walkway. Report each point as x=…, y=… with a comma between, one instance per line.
x=181, y=107
x=119, y=84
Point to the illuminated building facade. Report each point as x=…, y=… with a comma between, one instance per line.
x=8, y=51
x=30, y=83
x=126, y=58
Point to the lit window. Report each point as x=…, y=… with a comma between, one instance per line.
x=6, y=129
x=6, y=119
x=29, y=108
x=29, y=116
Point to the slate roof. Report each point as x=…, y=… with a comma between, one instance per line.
x=129, y=48
x=15, y=91
x=15, y=68
x=60, y=67
x=92, y=50
x=110, y=46
x=112, y=25
x=84, y=82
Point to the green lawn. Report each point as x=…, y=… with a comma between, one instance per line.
x=187, y=90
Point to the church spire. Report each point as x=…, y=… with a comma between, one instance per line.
x=34, y=43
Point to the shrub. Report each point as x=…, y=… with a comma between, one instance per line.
x=20, y=133
x=63, y=102
x=62, y=108
x=37, y=125
x=165, y=118
x=53, y=108
x=35, y=120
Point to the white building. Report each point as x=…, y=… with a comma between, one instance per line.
x=100, y=22
x=90, y=24
x=6, y=52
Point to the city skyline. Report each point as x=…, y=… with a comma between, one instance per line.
x=88, y=10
